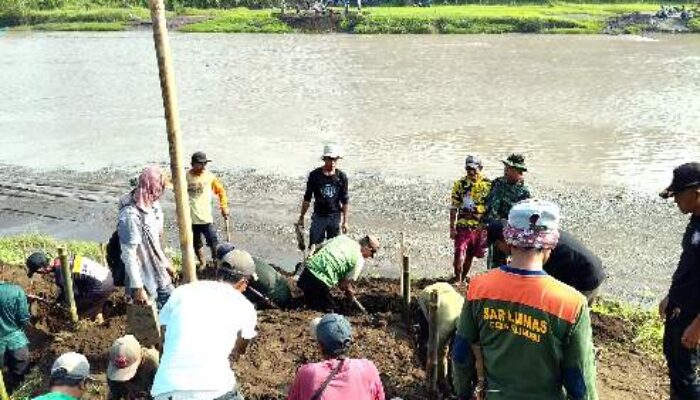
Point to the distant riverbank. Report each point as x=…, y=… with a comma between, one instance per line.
x=557, y=18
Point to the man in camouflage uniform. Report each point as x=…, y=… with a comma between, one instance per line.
x=505, y=192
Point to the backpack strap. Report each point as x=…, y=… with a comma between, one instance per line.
x=319, y=391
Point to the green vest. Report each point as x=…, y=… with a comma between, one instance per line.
x=335, y=260
x=271, y=283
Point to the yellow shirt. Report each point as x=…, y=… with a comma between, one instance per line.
x=201, y=189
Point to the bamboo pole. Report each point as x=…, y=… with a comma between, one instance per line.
x=3, y=389
x=68, y=282
x=103, y=253
x=433, y=339
x=172, y=123
x=403, y=253
x=407, y=289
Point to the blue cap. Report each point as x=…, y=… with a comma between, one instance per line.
x=223, y=249
x=334, y=333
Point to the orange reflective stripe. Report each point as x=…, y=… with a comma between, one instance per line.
x=540, y=292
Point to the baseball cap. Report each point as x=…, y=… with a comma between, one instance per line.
x=331, y=150
x=35, y=262
x=533, y=224
x=71, y=367
x=124, y=359
x=239, y=262
x=516, y=161
x=223, y=249
x=473, y=161
x=200, y=157
x=333, y=332
x=684, y=176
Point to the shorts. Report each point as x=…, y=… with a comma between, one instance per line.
x=323, y=227
x=470, y=242
x=209, y=233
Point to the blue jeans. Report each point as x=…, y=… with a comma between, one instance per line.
x=682, y=362
x=323, y=227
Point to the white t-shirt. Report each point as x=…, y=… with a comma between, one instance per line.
x=202, y=322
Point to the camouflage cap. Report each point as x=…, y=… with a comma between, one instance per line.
x=516, y=161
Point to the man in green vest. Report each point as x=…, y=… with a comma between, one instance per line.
x=338, y=263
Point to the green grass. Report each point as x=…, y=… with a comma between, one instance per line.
x=648, y=328
x=694, y=25
x=236, y=21
x=90, y=18
x=79, y=26
x=450, y=19
x=15, y=249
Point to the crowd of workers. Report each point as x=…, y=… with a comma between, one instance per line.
x=521, y=330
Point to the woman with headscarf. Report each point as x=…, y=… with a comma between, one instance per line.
x=148, y=270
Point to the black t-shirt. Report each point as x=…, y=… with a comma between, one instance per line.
x=685, y=285
x=572, y=263
x=329, y=192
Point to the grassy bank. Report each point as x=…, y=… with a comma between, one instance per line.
x=452, y=19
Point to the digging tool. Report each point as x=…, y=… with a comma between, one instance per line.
x=299, y=230
x=263, y=297
x=228, y=229
x=358, y=305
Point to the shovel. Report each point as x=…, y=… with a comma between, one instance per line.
x=228, y=229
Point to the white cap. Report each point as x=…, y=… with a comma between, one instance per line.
x=332, y=151
x=241, y=262
x=71, y=366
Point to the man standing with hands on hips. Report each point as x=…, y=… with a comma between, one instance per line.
x=681, y=306
x=201, y=187
x=329, y=188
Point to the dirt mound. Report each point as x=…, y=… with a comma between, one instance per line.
x=283, y=344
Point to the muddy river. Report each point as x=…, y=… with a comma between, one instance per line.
x=584, y=109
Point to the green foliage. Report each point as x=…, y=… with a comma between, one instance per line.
x=15, y=249
x=80, y=26
x=240, y=20
x=647, y=326
x=694, y=25
x=74, y=16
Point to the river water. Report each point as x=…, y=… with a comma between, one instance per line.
x=584, y=109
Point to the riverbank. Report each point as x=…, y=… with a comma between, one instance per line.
x=559, y=18
x=636, y=235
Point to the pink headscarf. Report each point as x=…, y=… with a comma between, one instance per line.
x=150, y=187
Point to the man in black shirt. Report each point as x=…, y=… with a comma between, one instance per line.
x=329, y=188
x=569, y=262
x=681, y=307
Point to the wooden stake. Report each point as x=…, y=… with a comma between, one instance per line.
x=103, y=253
x=407, y=289
x=403, y=253
x=172, y=123
x=3, y=389
x=433, y=340
x=68, y=282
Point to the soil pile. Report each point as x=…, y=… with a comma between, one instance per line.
x=283, y=344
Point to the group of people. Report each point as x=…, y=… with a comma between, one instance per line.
x=520, y=330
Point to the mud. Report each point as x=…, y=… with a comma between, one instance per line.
x=283, y=344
